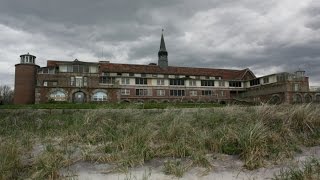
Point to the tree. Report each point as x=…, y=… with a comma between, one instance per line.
x=6, y=94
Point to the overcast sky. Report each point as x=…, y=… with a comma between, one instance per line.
x=266, y=36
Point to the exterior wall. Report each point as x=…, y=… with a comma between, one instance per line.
x=275, y=88
x=25, y=82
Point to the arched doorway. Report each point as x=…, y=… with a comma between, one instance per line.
x=79, y=97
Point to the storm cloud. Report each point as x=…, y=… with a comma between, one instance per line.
x=267, y=37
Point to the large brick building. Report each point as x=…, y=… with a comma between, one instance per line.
x=78, y=81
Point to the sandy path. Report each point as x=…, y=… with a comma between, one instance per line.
x=224, y=167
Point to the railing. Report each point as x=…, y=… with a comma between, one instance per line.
x=314, y=88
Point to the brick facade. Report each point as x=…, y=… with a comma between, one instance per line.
x=82, y=82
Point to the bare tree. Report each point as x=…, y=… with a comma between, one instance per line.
x=6, y=94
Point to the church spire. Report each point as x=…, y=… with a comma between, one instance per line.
x=162, y=43
x=162, y=54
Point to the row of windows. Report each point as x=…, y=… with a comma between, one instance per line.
x=77, y=68
x=79, y=81
x=161, y=75
x=235, y=84
x=102, y=96
x=254, y=82
x=162, y=92
x=173, y=82
x=61, y=96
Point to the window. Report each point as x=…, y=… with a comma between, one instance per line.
x=85, y=81
x=131, y=74
x=119, y=74
x=235, y=84
x=141, y=81
x=222, y=93
x=192, y=82
x=79, y=81
x=177, y=82
x=54, y=83
x=160, y=81
x=75, y=68
x=254, y=82
x=58, y=96
x=296, y=87
x=207, y=83
x=221, y=83
x=45, y=83
x=125, y=92
x=193, y=93
x=143, y=75
x=177, y=93
x=161, y=92
x=51, y=70
x=93, y=69
x=125, y=81
x=63, y=68
x=107, y=80
x=280, y=78
x=69, y=68
x=206, y=93
x=99, y=96
x=143, y=92
x=266, y=80
x=45, y=70
x=72, y=81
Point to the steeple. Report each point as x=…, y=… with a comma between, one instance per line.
x=162, y=54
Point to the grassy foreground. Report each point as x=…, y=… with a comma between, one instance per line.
x=36, y=144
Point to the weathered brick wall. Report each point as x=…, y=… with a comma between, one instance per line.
x=25, y=82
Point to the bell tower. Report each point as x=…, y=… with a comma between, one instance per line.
x=162, y=54
x=25, y=80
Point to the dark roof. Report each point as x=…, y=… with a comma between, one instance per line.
x=173, y=70
x=230, y=74
x=51, y=63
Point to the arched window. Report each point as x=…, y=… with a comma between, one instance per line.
x=317, y=98
x=297, y=98
x=308, y=98
x=275, y=99
x=99, y=96
x=58, y=96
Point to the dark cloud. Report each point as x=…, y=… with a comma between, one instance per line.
x=266, y=36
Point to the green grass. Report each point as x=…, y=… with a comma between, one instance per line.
x=131, y=137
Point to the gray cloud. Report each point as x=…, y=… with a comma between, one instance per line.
x=268, y=37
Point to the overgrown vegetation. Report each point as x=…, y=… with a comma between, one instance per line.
x=37, y=143
x=310, y=170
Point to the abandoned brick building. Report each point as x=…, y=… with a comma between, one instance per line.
x=103, y=81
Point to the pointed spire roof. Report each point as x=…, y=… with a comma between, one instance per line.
x=162, y=43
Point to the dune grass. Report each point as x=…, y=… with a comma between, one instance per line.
x=35, y=144
x=309, y=170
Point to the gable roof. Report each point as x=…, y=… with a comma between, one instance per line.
x=173, y=70
x=228, y=74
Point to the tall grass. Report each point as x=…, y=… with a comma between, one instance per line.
x=310, y=170
x=131, y=137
